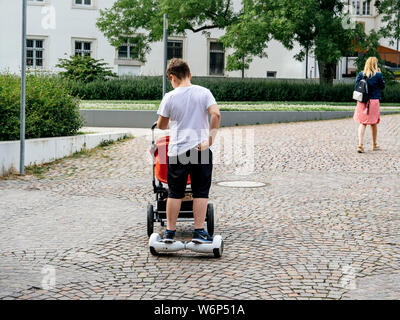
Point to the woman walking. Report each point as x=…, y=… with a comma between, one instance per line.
x=369, y=113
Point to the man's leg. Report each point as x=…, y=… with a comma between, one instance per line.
x=173, y=207
x=177, y=179
x=199, y=212
x=201, y=175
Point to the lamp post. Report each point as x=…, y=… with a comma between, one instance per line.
x=23, y=84
x=165, y=54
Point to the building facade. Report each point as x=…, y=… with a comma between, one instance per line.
x=61, y=28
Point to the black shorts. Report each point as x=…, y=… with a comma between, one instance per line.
x=196, y=163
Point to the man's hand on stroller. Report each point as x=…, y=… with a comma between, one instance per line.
x=213, y=133
x=204, y=145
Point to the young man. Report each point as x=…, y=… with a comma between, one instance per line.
x=186, y=108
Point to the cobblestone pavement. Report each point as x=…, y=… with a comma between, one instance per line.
x=325, y=226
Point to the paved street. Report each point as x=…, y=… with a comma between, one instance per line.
x=326, y=225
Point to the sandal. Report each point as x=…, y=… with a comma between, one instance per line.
x=360, y=149
x=375, y=147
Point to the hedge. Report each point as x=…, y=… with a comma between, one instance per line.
x=51, y=111
x=225, y=89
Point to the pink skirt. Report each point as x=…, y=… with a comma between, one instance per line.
x=361, y=114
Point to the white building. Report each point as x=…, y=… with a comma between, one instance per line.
x=61, y=28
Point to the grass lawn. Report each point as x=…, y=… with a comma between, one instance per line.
x=233, y=106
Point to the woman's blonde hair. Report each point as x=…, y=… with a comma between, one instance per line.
x=371, y=67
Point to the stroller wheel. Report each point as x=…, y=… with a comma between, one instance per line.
x=150, y=220
x=210, y=219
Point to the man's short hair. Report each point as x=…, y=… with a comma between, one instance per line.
x=178, y=68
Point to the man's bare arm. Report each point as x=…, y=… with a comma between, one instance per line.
x=215, y=121
x=162, y=123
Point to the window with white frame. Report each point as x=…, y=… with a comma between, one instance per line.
x=356, y=7
x=83, y=2
x=128, y=50
x=175, y=49
x=366, y=8
x=271, y=74
x=34, y=53
x=362, y=7
x=83, y=48
x=217, y=58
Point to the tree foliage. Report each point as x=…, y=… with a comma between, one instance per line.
x=390, y=11
x=144, y=19
x=317, y=25
x=368, y=47
x=248, y=36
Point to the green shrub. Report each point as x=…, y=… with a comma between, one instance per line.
x=224, y=89
x=50, y=110
x=86, y=69
x=391, y=93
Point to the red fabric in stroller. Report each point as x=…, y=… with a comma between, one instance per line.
x=161, y=159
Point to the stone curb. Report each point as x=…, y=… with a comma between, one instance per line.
x=145, y=118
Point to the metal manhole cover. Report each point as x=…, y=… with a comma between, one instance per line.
x=241, y=184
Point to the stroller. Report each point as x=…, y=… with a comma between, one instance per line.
x=159, y=150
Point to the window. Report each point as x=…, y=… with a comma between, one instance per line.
x=128, y=50
x=356, y=7
x=83, y=48
x=175, y=49
x=362, y=7
x=217, y=58
x=271, y=74
x=36, y=1
x=34, y=53
x=366, y=9
x=83, y=2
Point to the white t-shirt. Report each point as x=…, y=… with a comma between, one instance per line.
x=187, y=107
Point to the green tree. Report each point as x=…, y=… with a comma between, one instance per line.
x=248, y=36
x=390, y=11
x=84, y=69
x=368, y=47
x=318, y=26
x=131, y=17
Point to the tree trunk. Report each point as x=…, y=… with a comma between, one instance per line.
x=327, y=72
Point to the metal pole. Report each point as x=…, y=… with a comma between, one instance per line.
x=23, y=83
x=165, y=54
x=307, y=63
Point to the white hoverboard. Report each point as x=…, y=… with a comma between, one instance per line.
x=156, y=246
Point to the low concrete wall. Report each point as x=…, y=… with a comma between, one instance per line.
x=144, y=119
x=39, y=151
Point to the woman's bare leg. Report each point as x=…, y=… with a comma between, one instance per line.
x=374, y=130
x=361, y=133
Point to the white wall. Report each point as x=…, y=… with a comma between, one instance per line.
x=39, y=151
